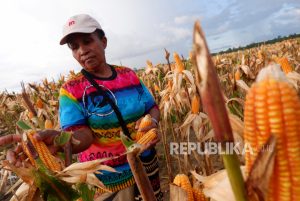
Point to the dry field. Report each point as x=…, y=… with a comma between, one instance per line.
x=184, y=119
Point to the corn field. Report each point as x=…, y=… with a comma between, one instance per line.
x=257, y=109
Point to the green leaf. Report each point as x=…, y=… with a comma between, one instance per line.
x=86, y=193
x=126, y=141
x=62, y=139
x=53, y=189
x=23, y=125
x=56, y=94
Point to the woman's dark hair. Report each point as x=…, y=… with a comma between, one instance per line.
x=100, y=33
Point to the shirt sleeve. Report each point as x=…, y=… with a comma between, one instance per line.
x=70, y=112
x=147, y=98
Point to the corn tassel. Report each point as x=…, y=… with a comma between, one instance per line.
x=273, y=107
x=145, y=122
x=285, y=66
x=148, y=137
x=183, y=181
x=179, y=63
x=198, y=195
x=45, y=155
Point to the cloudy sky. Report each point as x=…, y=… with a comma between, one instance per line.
x=137, y=30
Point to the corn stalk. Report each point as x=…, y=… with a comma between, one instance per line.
x=208, y=86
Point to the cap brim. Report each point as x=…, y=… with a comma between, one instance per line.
x=86, y=30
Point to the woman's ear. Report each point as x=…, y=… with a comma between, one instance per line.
x=104, y=41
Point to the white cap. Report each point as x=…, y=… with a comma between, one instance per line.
x=81, y=23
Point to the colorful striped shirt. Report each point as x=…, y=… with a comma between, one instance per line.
x=81, y=105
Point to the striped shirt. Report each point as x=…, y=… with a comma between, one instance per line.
x=81, y=105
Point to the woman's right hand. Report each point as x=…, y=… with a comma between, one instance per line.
x=12, y=153
x=16, y=156
x=47, y=136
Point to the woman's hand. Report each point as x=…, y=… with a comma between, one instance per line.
x=47, y=136
x=12, y=154
x=16, y=156
x=153, y=124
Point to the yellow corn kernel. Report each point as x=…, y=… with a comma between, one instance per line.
x=148, y=137
x=195, y=104
x=183, y=181
x=48, y=124
x=285, y=65
x=198, y=195
x=44, y=153
x=145, y=122
x=179, y=63
x=273, y=107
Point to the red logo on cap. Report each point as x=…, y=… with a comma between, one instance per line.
x=71, y=22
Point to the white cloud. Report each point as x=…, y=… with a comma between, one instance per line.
x=137, y=30
x=181, y=20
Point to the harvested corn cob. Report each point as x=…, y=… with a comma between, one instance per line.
x=45, y=155
x=146, y=121
x=179, y=63
x=273, y=107
x=148, y=137
x=183, y=181
x=285, y=66
x=198, y=195
x=28, y=153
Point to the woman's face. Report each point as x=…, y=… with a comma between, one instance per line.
x=88, y=50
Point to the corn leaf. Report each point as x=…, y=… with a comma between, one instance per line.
x=62, y=139
x=86, y=193
x=23, y=125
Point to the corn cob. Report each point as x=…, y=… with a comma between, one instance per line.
x=285, y=66
x=148, y=137
x=48, y=124
x=273, y=107
x=146, y=121
x=198, y=195
x=156, y=88
x=45, y=155
x=39, y=103
x=30, y=115
x=28, y=153
x=179, y=63
x=183, y=181
x=195, y=104
x=237, y=74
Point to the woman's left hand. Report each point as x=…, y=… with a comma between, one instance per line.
x=155, y=140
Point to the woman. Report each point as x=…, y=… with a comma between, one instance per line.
x=85, y=112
